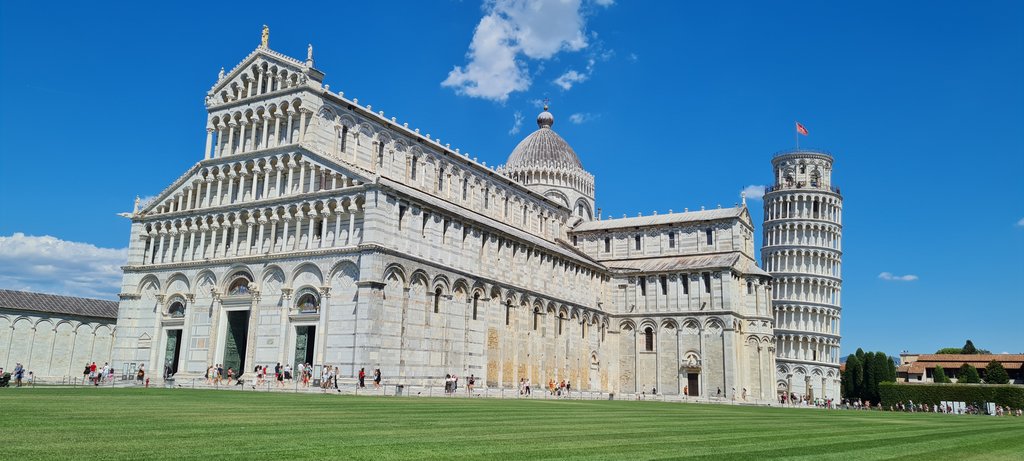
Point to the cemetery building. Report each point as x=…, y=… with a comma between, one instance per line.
x=54, y=336
x=316, y=229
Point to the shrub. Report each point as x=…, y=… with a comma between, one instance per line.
x=940, y=375
x=996, y=374
x=968, y=375
x=1002, y=394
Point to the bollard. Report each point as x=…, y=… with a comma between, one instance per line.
x=147, y=383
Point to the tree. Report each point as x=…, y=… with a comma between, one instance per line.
x=853, y=378
x=940, y=375
x=968, y=348
x=968, y=375
x=950, y=350
x=996, y=374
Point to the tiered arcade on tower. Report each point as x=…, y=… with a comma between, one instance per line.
x=802, y=249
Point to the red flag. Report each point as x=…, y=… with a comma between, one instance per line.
x=800, y=129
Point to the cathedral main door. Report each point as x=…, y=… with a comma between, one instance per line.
x=171, y=353
x=235, y=342
x=305, y=338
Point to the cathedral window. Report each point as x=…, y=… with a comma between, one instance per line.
x=575, y=242
x=709, y=236
x=636, y=242
x=649, y=339
x=685, y=279
x=476, y=303
x=308, y=302
x=437, y=300
x=465, y=189
x=643, y=286
x=344, y=138
x=803, y=168
x=177, y=309
x=401, y=215
x=707, y=282
x=239, y=286
x=440, y=179
x=423, y=230
x=508, y=313
x=318, y=228
x=664, y=285
x=380, y=154
x=750, y=288
x=412, y=169
x=536, y=318
x=671, y=239
x=487, y=197
x=607, y=244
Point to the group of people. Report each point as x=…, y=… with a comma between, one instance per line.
x=18, y=376
x=96, y=375
x=971, y=409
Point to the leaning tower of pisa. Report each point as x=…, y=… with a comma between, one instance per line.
x=802, y=249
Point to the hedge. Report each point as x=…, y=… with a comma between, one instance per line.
x=1002, y=394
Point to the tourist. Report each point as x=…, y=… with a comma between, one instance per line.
x=470, y=384
x=307, y=372
x=231, y=375
x=220, y=373
x=362, y=378
x=19, y=371
x=376, y=378
x=527, y=386
x=92, y=374
x=719, y=393
x=141, y=374
x=85, y=373
x=288, y=372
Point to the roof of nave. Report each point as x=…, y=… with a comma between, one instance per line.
x=439, y=204
x=689, y=263
x=544, y=148
x=661, y=219
x=68, y=305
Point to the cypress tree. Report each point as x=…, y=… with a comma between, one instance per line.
x=968, y=348
x=996, y=374
x=853, y=376
x=968, y=375
x=940, y=375
x=870, y=388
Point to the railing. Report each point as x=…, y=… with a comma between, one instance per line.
x=802, y=150
x=801, y=186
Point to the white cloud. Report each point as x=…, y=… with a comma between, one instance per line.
x=1021, y=222
x=510, y=32
x=51, y=265
x=568, y=79
x=518, y=116
x=580, y=118
x=754, y=192
x=605, y=3
x=633, y=57
x=897, y=278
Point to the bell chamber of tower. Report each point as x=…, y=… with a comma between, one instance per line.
x=802, y=249
x=545, y=163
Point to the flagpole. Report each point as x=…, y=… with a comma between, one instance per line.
x=796, y=135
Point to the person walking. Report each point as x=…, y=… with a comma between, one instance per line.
x=141, y=374
x=376, y=378
x=362, y=378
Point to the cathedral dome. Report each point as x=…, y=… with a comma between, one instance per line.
x=543, y=148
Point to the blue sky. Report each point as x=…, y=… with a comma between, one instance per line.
x=675, y=104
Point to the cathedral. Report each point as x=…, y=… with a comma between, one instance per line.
x=317, y=230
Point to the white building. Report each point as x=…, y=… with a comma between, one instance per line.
x=802, y=248
x=54, y=336
x=315, y=229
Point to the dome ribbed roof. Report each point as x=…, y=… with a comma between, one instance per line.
x=543, y=147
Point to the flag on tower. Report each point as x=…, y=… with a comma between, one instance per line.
x=801, y=129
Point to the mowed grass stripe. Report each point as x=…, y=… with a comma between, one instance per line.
x=200, y=424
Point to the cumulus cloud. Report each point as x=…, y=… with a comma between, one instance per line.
x=754, y=191
x=570, y=78
x=580, y=118
x=517, y=124
x=51, y=265
x=889, y=276
x=511, y=32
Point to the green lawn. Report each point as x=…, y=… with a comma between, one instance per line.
x=47, y=423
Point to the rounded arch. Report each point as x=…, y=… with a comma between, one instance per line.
x=307, y=274
x=627, y=325
x=441, y=281
x=237, y=283
x=395, y=273
x=307, y=299
x=419, y=279
x=149, y=282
